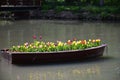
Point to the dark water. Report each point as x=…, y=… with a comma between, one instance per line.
x=105, y=68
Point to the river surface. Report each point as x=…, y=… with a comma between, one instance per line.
x=18, y=32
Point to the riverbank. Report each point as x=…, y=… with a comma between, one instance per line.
x=90, y=13
x=70, y=15
x=81, y=13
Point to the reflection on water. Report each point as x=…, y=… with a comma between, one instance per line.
x=18, y=32
x=92, y=71
x=43, y=72
x=3, y=23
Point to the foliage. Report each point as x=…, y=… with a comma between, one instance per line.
x=106, y=9
x=46, y=7
x=40, y=46
x=92, y=9
x=71, y=8
x=86, y=2
x=104, y=14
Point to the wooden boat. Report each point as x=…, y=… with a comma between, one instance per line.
x=43, y=57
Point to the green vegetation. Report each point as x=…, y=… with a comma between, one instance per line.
x=104, y=8
x=40, y=46
x=78, y=9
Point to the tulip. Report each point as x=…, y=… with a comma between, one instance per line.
x=69, y=42
x=83, y=41
x=90, y=40
x=58, y=46
x=40, y=37
x=98, y=40
x=93, y=40
x=34, y=37
x=26, y=44
x=40, y=46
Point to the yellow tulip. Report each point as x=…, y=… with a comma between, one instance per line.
x=98, y=40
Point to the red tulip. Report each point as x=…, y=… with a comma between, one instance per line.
x=34, y=37
x=40, y=37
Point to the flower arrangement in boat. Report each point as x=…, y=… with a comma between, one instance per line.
x=41, y=46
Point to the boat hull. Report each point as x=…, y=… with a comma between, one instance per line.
x=61, y=56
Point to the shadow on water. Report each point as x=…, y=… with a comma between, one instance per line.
x=94, y=60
